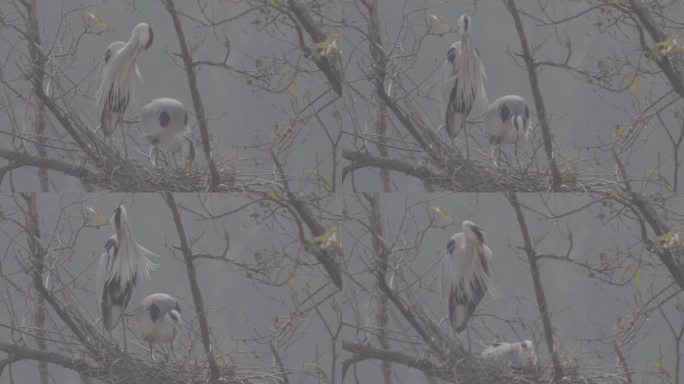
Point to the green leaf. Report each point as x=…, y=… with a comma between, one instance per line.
x=293, y=87
x=615, y=195
x=327, y=240
x=272, y=3
x=99, y=21
x=273, y=195
x=441, y=23
x=668, y=376
x=324, y=183
x=99, y=216
x=327, y=47
x=666, y=183
x=443, y=215
x=321, y=372
x=635, y=85
x=637, y=276
x=285, y=78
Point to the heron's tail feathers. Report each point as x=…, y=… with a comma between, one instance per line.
x=145, y=265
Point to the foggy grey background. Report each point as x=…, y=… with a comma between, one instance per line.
x=241, y=115
x=239, y=309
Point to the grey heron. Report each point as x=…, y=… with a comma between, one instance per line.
x=120, y=265
x=465, y=274
x=159, y=315
x=507, y=121
x=165, y=123
x=468, y=76
x=518, y=354
x=117, y=77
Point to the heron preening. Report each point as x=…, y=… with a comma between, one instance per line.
x=117, y=77
x=468, y=76
x=165, y=122
x=518, y=354
x=159, y=316
x=507, y=120
x=465, y=274
x=122, y=261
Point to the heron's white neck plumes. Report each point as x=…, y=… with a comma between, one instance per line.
x=133, y=258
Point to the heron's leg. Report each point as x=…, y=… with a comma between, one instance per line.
x=172, y=351
x=467, y=141
x=156, y=156
x=151, y=351
x=515, y=152
x=124, y=142
x=124, y=333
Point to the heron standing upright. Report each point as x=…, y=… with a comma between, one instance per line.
x=122, y=261
x=165, y=122
x=159, y=315
x=117, y=77
x=465, y=274
x=507, y=120
x=468, y=75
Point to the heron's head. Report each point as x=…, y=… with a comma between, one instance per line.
x=473, y=232
x=142, y=37
x=527, y=352
x=119, y=221
x=463, y=24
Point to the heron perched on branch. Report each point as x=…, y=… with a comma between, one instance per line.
x=518, y=354
x=165, y=122
x=507, y=120
x=159, y=315
x=122, y=261
x=465, y=274
x=467, y=73
x=117, y=77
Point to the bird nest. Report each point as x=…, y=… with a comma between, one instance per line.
x=117, y=367
x=116, y=173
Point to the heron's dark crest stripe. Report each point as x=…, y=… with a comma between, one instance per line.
x=149, y=42
x=451, y=246
x=451, y=54
x=466, y=23
x=108, y=55
x=164, y=119
x=504, y=112
x=478, y=233
x=154, y=312
x=117, y=217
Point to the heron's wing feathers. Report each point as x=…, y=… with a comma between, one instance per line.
x=462, y=307
x=456, y=112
